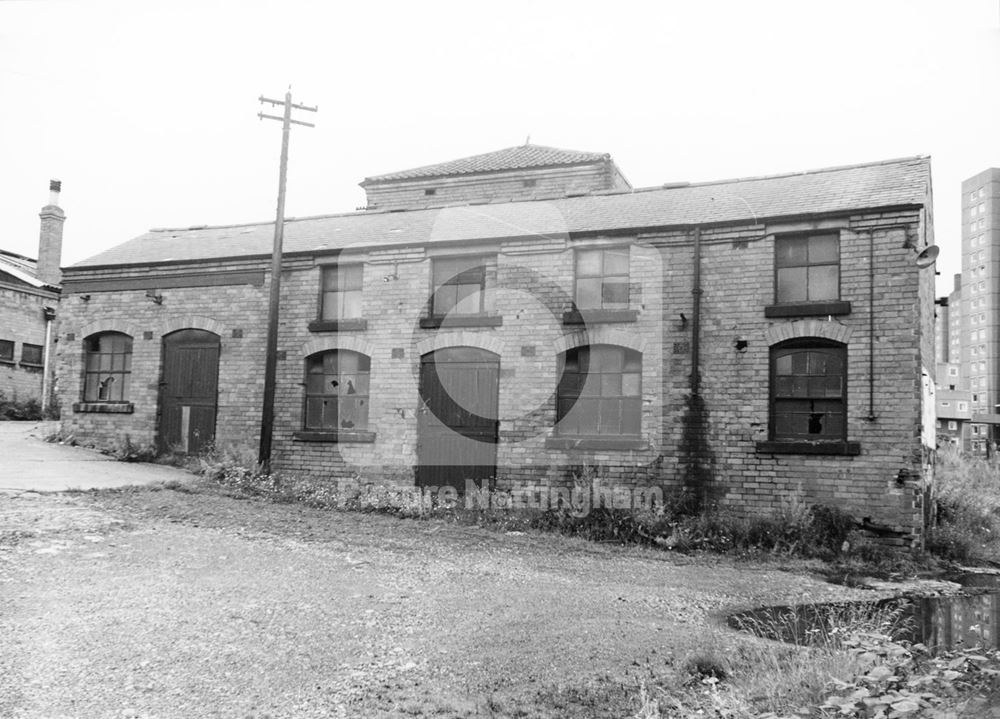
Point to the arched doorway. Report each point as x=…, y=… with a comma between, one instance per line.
x=457, y=424
x=189, y=390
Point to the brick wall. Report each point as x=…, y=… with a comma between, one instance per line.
x=22, y=321
x=499, y=186
x=237, y=313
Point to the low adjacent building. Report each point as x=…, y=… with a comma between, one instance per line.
x=29, y=295
x=525, y=318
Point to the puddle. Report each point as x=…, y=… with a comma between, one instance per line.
x=941, y=623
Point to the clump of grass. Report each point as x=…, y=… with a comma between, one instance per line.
x=11, y=408
x=968, y=508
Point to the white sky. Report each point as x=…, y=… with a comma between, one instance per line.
x=148, y=111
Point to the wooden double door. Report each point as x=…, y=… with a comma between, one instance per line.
x=457, y=423
x=189, y=391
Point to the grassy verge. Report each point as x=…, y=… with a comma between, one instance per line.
x=968, y=509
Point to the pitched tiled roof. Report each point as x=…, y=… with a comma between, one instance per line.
x=881, y=184
x=511, y=158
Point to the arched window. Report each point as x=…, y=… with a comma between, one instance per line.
x=337, y=391
x=599, y=392
x=809, y=390
x=107, y=367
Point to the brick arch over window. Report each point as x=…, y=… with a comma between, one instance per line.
x=325, y=344
x=600, y=336
x=101, y=326
x=189, y=322
x=459, y=339
x=807, y=328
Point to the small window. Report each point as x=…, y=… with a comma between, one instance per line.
x=599, y=392
x=952, y=425
x=809, y=391
x=108, y=367
x=430, y=191
x=31, y=354
x=337, y=391
x=953, y=371
x=602, y=279
x=6, y=350
x=963, y=406
x=945, y=403
x=807, y=268
x=530, y=182
x=460, y=286
x=342, y=288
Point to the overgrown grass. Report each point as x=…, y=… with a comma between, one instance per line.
x=11, y=408
x=968, y=508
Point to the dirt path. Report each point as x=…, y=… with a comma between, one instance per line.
x=161, y=603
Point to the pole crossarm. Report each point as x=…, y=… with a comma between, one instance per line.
x=271, y=363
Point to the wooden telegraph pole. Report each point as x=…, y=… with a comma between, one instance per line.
x=271, y=365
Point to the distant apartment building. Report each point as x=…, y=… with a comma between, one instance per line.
x=979, y=306
x=954, y=407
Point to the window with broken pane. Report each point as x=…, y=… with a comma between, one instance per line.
x=602, y=279
x=460, y=285
x=807, y=268
x=107, y=367
x=337, y=391
x=808, y=392
x=600, y=392
x=341, y=293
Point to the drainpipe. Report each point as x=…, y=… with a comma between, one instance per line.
x=696, y=292
x=871, y=327
x=50, y=314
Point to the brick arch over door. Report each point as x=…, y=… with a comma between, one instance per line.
x=325, y=344
x=600, y=336
x=442, y=340
x=93, y=328
x=189, y=322
x=807, y=328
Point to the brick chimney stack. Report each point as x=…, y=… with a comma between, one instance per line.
x=50, y=238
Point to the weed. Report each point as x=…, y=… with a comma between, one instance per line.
x=22, y=410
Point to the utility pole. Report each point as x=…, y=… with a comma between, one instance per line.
x=271, y=364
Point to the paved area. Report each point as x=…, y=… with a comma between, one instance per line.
x=32, y=465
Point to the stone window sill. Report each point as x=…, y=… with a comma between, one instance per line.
x=335, y=437
x=807, y=447
x=621, y=443
x=353, y=325
x=592, y=317
x=808, y=309
x=8, y=362
x=104, y=407
x=32, y=366
x=433, y=323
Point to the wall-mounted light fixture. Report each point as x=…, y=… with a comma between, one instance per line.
x=155, y=296
x=85, y=298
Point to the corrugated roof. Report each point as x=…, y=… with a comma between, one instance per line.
x=510, y=158
x=881, y=184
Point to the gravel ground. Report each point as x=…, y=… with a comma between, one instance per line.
x=164, y=603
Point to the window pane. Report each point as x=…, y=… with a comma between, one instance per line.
x=610, y=419
x=616, y=262
x=783, y=386
x=314, y=413
x=444, y=300
x=316, y=383
x=118, y=362
x=632, y=416
x=783, y=364
x=588, y=293
x=93, y=361
x=823, y=282
x=468, y=299
x=330, y=300
x=330, y=278
x=563, y=416
x=790, y=251
x=630, y=385
x=606, y=359
x=633, y=361
x=90, y=389
x=800, y=362
x=611, y=385
x=104, y=362
x=588, y=263
x=824, y=248
x=586, y=415
x=615, y=294
x=352, y=277
x=353, y=413
x=126, y=383
x=791, y=284
x=352, y=305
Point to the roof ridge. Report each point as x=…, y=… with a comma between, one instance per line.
x=816, y=171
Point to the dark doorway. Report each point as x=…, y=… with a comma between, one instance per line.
x=189, y=391
x=457, y=422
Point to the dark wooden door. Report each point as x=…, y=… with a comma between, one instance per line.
x=189, y=391
x=457, y=421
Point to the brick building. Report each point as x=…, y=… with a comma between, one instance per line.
x=29, y=294
x=513, y=317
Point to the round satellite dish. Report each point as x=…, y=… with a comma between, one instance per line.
x=929, y=256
